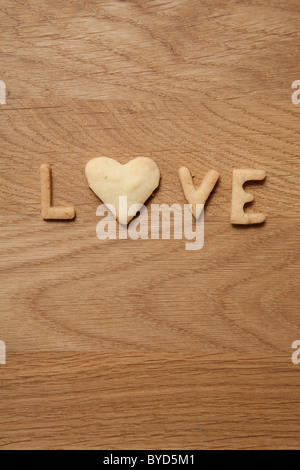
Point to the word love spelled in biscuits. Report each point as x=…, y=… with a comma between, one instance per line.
x=139, y=178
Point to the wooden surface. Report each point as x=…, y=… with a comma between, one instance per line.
x=143, y=345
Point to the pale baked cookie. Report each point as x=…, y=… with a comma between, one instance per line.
x=49, y=212
x=240, y=197
x=110, y=180
x=197, y=196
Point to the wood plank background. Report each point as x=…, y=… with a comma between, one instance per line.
x=143, y=345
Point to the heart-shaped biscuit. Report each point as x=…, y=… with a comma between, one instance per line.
x=110, y=180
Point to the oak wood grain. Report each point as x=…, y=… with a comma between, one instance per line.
x=149, y=401
x=131, y=345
